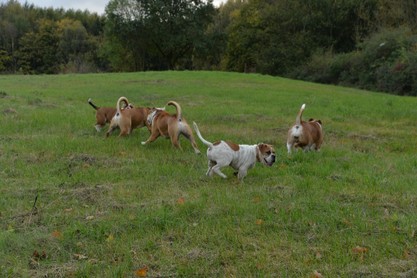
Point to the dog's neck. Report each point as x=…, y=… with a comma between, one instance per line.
x=258, y=154
x=152, y=116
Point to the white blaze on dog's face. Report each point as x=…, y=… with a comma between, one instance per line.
x=266, y=154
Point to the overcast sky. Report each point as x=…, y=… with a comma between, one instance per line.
x=97, y=6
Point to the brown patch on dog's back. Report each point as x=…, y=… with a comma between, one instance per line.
x=233, y=146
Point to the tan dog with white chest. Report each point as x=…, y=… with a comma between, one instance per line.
x=170, y=126
x=305, y=135
x=128, y=119
x=105, y=114
x=239, y=157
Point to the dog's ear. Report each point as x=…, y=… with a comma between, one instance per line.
x=264, y=147
x=311, y=120
x=319, y=121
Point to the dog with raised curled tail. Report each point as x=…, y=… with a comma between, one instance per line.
x=305, y=135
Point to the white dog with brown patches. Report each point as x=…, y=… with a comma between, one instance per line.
x=305, y=135
x=239, y=157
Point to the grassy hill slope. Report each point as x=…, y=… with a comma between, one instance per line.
x=74, y=203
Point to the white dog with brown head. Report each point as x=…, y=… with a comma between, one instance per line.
x=305, y=135
x=239, y=157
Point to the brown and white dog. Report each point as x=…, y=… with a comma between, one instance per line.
x=105, y=114
x=170, y=126
x=128, y=119
x=239, y=157
x=305, y=135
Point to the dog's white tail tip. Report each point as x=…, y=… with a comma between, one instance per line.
x=89, y=100
x=303, y=106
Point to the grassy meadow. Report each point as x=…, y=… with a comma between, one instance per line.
x=76, y=204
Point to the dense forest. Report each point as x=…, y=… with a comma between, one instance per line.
x=369, y=44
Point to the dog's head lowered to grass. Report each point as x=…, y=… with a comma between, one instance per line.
x=265, y=154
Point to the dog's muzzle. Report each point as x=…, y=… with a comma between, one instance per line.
x=270, y=161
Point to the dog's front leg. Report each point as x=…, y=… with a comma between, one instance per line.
x=242, y=173
x=98, y=127
x=151, y=138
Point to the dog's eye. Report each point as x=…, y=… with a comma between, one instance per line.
x=268, y=152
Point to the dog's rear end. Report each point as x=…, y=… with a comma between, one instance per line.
x=305, y=135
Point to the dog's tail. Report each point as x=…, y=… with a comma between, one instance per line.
x=90, y=101
x=300, y=113
x=178, y=107
x=119, y=103
x=205, y=142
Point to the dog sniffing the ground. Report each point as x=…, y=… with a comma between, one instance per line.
x=105, y=114
x=128, y=119
x=305, y=135
x=239, y=157
x=170, y=126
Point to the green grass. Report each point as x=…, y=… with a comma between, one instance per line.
x=109, y=207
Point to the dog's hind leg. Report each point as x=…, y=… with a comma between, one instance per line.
x=210, y=168
x=289, y=147
x=190, y=138
x=216, y=169
x=175, y=140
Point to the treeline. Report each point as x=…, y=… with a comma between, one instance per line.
x=368, y=44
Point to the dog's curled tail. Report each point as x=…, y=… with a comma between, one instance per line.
x=90, y=101
x=300, y=113
x=178, y=107
x=205, y=142
x=119, y=102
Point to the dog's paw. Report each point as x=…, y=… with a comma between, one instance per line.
x=143, y=143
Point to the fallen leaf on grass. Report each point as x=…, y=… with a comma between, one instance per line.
x=90, y=217
x=80, y=257
x=181, y=201
x=57, y=234
x=259, y=221
x=316, y=274
x=36, y=256
x=142, y=272
x=360, y=251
